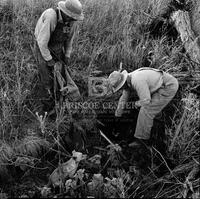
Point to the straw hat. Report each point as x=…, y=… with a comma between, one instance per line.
x=72, y=8
x=117, y=79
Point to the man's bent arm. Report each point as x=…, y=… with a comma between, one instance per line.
x=44, y=36
x=122, y=103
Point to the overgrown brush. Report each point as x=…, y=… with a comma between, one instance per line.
x=185, y=140
x=108, y=35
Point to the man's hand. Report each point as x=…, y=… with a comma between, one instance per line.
x=143, y=102
x=57, y=66
x=137, y=104
x=51, y=63
x=118, y=113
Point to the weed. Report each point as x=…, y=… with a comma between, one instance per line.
x=110, y=33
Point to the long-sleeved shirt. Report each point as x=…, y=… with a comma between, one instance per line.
x=45, y=26
x=144, y=82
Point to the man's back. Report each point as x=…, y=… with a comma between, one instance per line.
x=49, y=16
x=151, y=78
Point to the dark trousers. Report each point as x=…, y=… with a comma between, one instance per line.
x=46, y=77
x=45, y=72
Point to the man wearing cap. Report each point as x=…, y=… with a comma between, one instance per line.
x=54, y=34
x=155, y=90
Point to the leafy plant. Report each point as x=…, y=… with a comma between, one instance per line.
x=32, y=146
x=112, y=31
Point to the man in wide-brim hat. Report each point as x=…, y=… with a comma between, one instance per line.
x=54, y=35
x=155, y=90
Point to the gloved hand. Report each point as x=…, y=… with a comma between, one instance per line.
x=118, y=113
x=51, y=63
x=57, y=66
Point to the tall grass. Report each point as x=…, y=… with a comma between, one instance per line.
x=105, y=35
x=108, y=35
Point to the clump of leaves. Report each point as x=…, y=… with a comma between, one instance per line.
x=95, y=187
x=32, y=146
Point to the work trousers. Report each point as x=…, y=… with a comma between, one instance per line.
x=46, y=82
x=159, y=100
x=46, y=75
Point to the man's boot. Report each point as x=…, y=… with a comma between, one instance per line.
x=140, y=142
x=141, y=153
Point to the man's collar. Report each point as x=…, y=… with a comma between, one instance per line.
x=60, y=19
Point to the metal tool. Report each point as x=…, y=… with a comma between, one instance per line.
x=115, y=146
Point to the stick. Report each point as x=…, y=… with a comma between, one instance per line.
x=103, y=135
x=182, y=23
x=114, y=146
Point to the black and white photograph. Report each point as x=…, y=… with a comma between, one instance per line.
x=100, y=99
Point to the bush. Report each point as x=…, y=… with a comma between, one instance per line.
x=109, y=34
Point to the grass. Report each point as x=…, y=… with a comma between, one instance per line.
x=108, y=35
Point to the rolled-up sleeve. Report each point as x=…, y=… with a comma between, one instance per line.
x=122, y=103
x=46, y=26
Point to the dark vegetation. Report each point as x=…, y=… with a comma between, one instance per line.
x=134, y=33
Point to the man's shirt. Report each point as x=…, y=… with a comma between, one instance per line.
x=45, y=26
x=145, y=82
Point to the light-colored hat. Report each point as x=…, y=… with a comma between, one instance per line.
x=72, y=8
x=117, y=79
